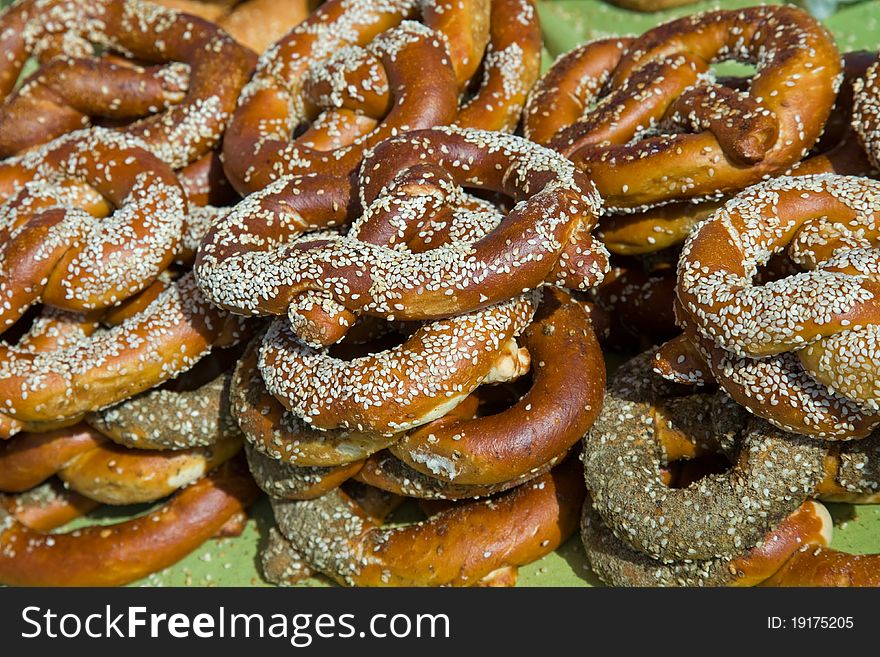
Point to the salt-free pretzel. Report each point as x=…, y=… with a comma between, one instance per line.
x=59, y=254
x=217, y=69
x=460, y=547
x=100, y=470
x=662, y=121
x=118, y=554
x=545, y=238
x=796, y=351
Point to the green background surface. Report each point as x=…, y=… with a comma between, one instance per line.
x=566, y=23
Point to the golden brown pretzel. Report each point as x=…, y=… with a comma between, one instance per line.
x=218, y=67
x=808, y=335
x=91, y=372
x=61, y=255
x=866, y=112
x=397, y=65
x=121, y=553
x=568, y=382
x=47, y=506
x=545, y=238
x=458, y=547
x=88, y=464
x=665, y=131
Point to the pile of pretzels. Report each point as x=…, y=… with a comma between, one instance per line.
x=361, y=257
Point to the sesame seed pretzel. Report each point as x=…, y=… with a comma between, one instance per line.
x=59, y=254
x=716, y=517
x=349, y=75
x=663, y=121
x=460, y=546
x=866, y=113
x=47, y=506
x=798, y=351
x=545, y=238
x=101, y=555
x=216, y=65
x=92, y=370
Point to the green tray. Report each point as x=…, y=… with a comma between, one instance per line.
x=566, y=23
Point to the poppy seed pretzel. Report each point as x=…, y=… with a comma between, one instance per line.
x=718, y=516
x=461, y=546
x=617, y=563
x=61, y=255
x=663, y=120
x=217, y=66
x=543, y=237
x=811, y=334
x=101, y=555
x=100, y=470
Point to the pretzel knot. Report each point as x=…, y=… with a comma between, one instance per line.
x=650, y=110
x=356, y=72
x=866, y=113
x=800, y=351
x=61, y=255
x=196, y=74
x=544, y=239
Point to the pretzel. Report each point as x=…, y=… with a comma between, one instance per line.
x=394, y=390
x=63, y=256
x=866, y=112
x=458, y=547
x=47, y=506
x=616, y=563
x=282, y=480
x=796, y=351
x=773, y=473
x=651, y=5
x=259, y=23
x=661, y=120
x=113, y=555
x=637, y=299
x=565, y=396
x=218, y=68
x=94, y=371
x=165, y=419
x=308, y=79
x=544, y=239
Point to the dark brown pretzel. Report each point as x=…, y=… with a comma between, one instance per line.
x=544, y=239
x=121, y=553
x=459, y=547
x=796, y=351
x=60, y=255
x=217, y=70
x=699, y=139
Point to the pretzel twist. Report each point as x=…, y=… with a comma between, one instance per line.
x=118, y=554
x=798, y=351
x=545, y=238
x=58, y=254
x=662, y=120
x=197, y=113
x=94, y=370
x=461, y=546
